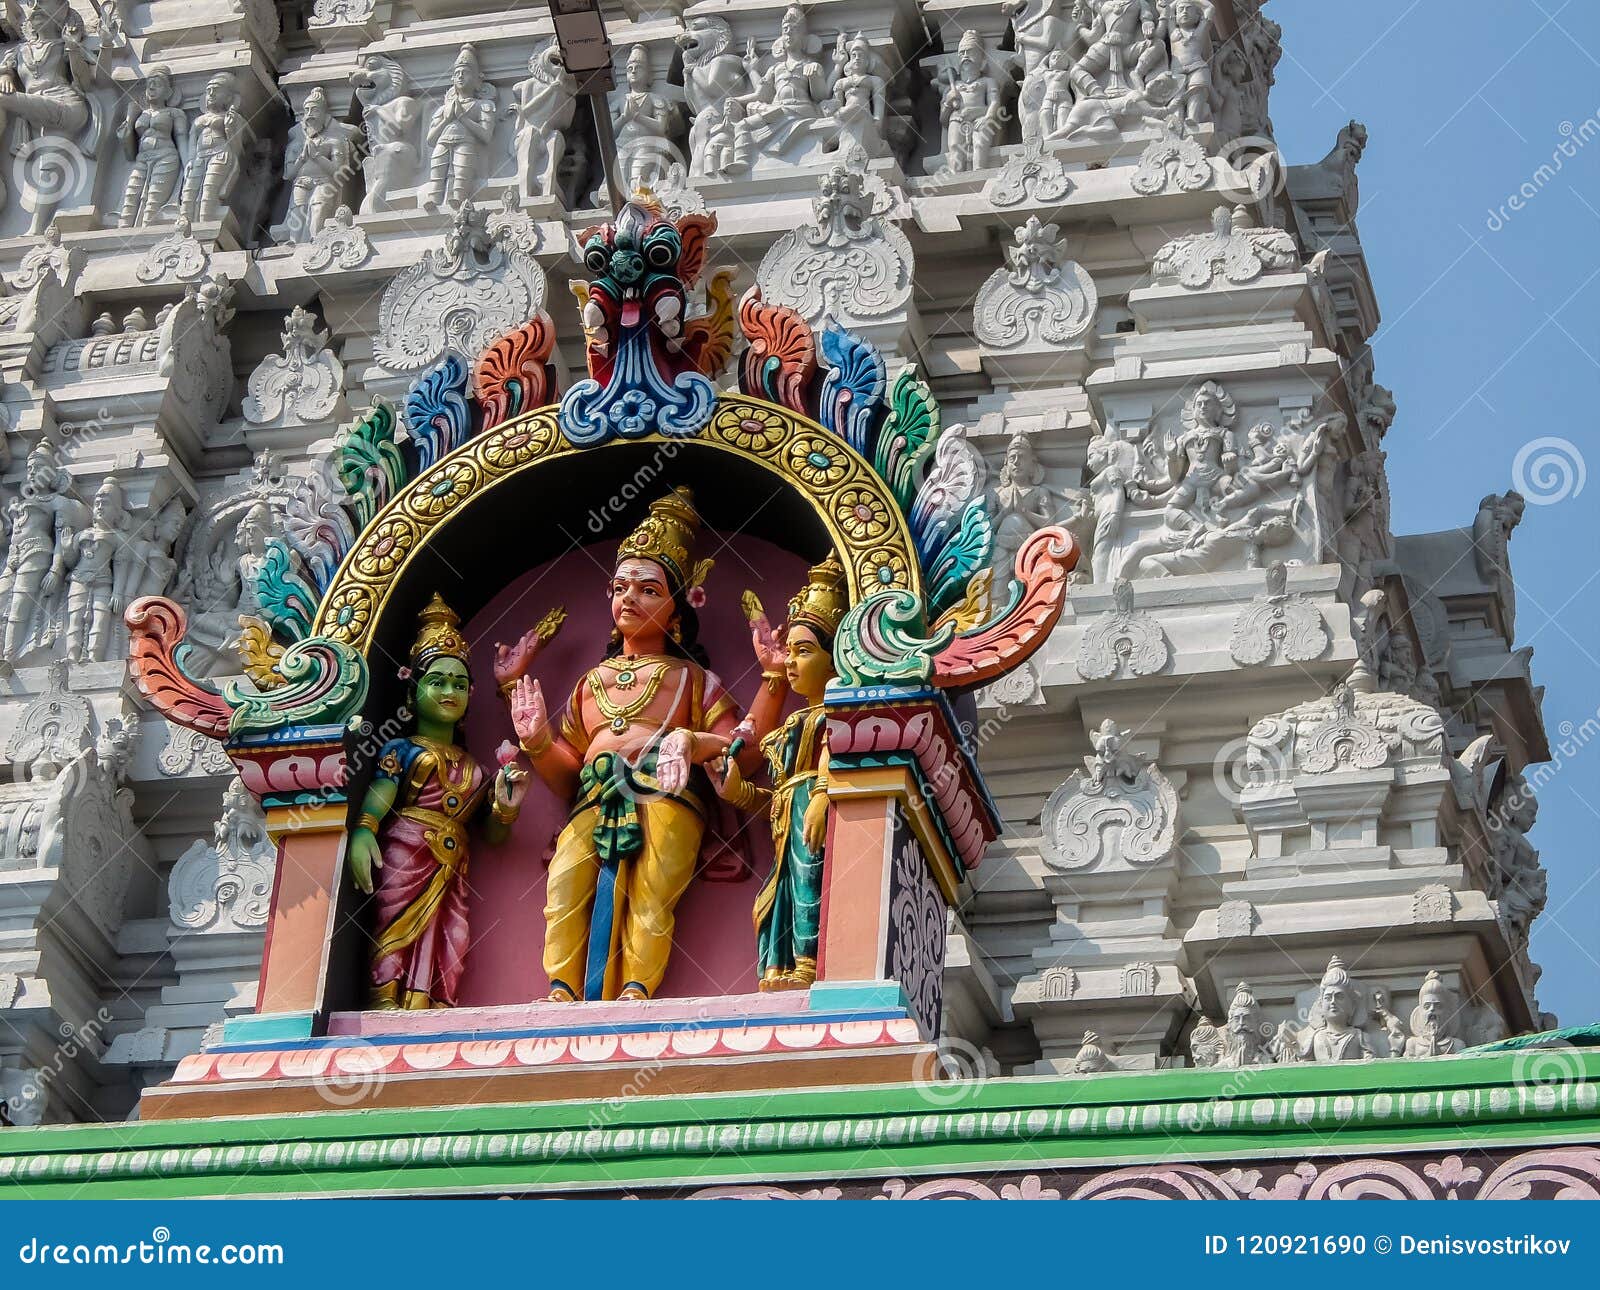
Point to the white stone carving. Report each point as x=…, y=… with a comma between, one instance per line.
x=788, y=88
x=972, y=110
x=102, y=572
x=52, y=730
x=1019, y=503
x=218, y=136
x=850, y=264
x=1057, y=984
x=178, y=256
x=543, y=107
x=1139, y=980
x=646, y=117
x=1123, y=80
x=1093, y=1056
x=1236, y=918
x=1433, y=903
x=1278, y=623
x=340, y=243
x=459, y=134
x=1435, y=1021
x=1242, y=1041
x=1333, y=1030
x=1040, y=298
x=1234, y=250
x=1118, y=811
x=1347, y=731
x=86, y=829
x=187, y=750
x=1498, y=515
x=459, y=296
x=23, y=1095
x=716, y=82
x=1521, y=885
x=917, y=914
x=1124, y=641
x=149, y=129
x=42, y=521
x=1172, y=162
x=10, y=989
x=1030, y=175
x=340, y=13
x=1018, y=688
x=318, y=165
x=858, y=98
x=390, y=115
x=302, y=386
x=226, y=886
x=1220, y=500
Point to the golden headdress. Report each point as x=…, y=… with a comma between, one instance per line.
x=823, y=601
x=438, y=637
x=667, y=536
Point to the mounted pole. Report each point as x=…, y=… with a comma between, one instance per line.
x=586, y=53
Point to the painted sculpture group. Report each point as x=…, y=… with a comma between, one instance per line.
x=654, y=765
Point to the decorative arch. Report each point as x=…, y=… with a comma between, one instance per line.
x=853, y=503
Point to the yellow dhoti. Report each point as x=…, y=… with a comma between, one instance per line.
x=621, y=864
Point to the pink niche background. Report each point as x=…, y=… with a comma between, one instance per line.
x=715, y=946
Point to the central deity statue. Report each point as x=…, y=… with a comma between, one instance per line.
x=638, y=727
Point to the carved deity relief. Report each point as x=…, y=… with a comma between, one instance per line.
x=717, y=85
x=645, y=115
x=784, y=109
x=858, y=98
x=47, y=118
x=218, y=136
x=318, y=166
x=1119, y=811
x=226, y=885
x=390, y=117
x=1223, y=498
x=44, y=522
x=1243, y=1040
x=543, y=107
x=972, y=110
x=150, y=129
x=459, y=134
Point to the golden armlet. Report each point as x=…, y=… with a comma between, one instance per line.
x=505, y=814
x=775, y=681
x=540, y=747
x=369, y=821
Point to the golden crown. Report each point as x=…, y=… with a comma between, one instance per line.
x=438, y=637
x=667, y=536
x=823, y=601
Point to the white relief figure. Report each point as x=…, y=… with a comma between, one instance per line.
x=1333, y=1031
x=972, y=113
x=858, y=98
x=459, y=135
x=1047, y=44
x=150, y=129
x=1435, y=1021
x=644, y=117
x=389, y=116
x=98, y=559
x=1189, y=32
x=217, y=139
x=42, y=522
x=1122, y=78
x=1019, y=504
x=319, y=162
x=784, y=108
x=717, y=84
x=45, y=79
x=543, y=107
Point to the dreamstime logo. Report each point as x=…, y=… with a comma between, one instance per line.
x=1548, y=1071
x=948, y=1073
x=1241, y=765
x=1549, y=470
x=47, y=170
x=1257, y=161
x=352, y=1075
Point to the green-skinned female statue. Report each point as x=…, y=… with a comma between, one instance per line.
x=788, y=907
x=409, y=846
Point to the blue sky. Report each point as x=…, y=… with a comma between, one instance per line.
x=1491, y=332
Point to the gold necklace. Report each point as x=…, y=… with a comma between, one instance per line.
x=622, y=715
x=626, y=667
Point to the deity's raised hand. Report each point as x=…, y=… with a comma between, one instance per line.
x=770, y=652
x=512, y=661
x=529, y=716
